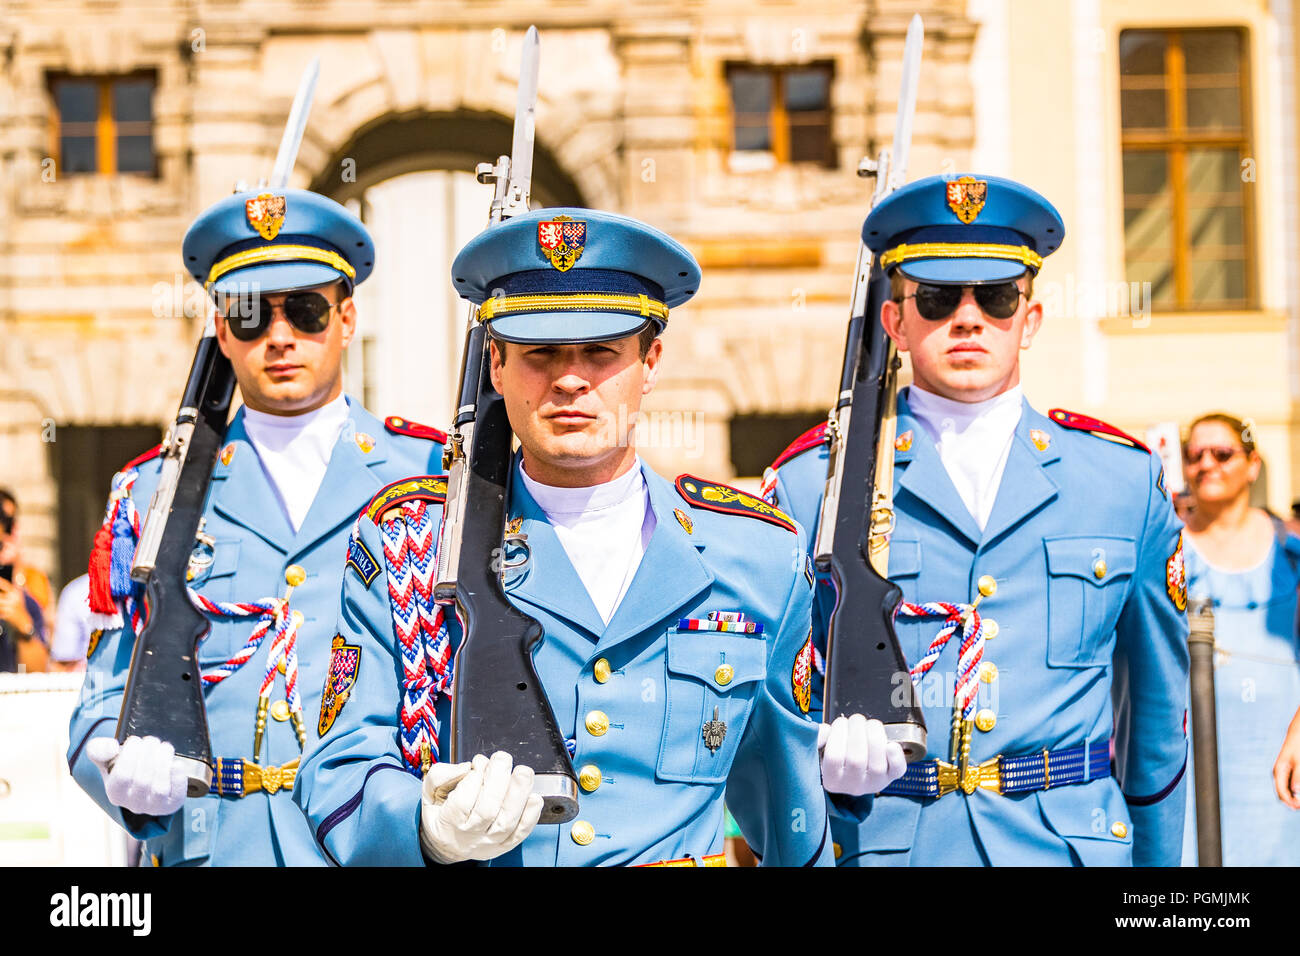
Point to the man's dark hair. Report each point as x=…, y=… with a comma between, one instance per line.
x=645, y=338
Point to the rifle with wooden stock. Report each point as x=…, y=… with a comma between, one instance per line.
x=866, y=672
x=164, y=688
x=498, y=702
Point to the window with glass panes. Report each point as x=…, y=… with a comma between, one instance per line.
x=1188, y=223
x=782, y=110
x=104, y=124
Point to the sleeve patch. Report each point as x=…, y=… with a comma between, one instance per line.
x=1176, y=576
x=427, y=487
x=345, y=664
x=361, y=560
x=801, y=675
x=712, y=496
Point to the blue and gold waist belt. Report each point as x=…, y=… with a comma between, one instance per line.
x=1001, y=774
x=239, y=778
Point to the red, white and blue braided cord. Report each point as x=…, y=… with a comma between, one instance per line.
x=956, y=617
x=123, y=520
x=410, y=539
x=274, y=618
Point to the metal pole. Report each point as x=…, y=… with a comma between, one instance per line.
x=1205, y=735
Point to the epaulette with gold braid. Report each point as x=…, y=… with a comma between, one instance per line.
x=1094, y=426
x=713, y=496
x=404, y=426
x=425, y=487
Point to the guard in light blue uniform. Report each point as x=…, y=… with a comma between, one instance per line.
x=693, y=685
x=1078, y=734
x=247, y=550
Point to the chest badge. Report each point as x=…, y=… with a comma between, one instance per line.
x=684, y=521
x=714, y=732
x=1042, y=441
x=904, y=441
x=365, y=442
x=345, y=662
x=228, y=454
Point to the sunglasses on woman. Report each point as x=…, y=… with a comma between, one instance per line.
x=1220, y=453
x=307, y=312
x=998, y=300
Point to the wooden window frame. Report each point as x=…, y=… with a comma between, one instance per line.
x=107, y=129
x=778, y=117
x=1175, y=140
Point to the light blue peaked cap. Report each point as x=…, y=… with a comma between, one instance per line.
x=573, y=275
x=276, y=240
x=963, y=229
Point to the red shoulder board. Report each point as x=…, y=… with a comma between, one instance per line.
x=403, y=426
x=1096, y=426
x=153, y=452
x=423, y=487
x=810, y=439
x=716, y=497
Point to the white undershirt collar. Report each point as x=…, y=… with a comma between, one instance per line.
x=604, y=530
x=973, y=440
x=295, y=451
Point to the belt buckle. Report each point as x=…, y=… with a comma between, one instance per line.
x=986, y=776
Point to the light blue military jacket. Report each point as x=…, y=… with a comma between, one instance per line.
x=1079, y=656
x=254, y=546
x=661, y=791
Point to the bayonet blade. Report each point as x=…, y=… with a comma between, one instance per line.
x=293, y=129
x=907, y=101
x=521, y=146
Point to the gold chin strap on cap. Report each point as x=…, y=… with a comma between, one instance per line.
x=960, y=250
x=279, y=253
x=641, y=305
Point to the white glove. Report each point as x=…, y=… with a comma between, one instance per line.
x=477, y=810
x=144, y=777
x=858, y=759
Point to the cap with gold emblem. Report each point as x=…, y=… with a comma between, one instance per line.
x=255, y=242
x=573, y=275
x=963, y=230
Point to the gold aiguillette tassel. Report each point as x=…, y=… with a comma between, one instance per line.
x=262, y=704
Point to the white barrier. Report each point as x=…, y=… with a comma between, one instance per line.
x=45, y=818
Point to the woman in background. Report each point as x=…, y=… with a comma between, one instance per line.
x=1245, y=560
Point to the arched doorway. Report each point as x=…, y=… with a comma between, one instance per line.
x=411, y=180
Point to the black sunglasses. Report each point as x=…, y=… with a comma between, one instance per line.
x=248, y=318
x=998, y=300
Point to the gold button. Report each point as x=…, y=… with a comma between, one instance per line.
x=280, y=666
x=601, y=671
x=597, y=723
x=987, y=585
x=582, y=833
x=990, y=628
x=986, y=720
x=724, y=673
x=280, y=710
x=839, y=850
x=988, y=672
x=294, y=575
x=1118, y=829
x=589, y=777
x=1099, y=568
